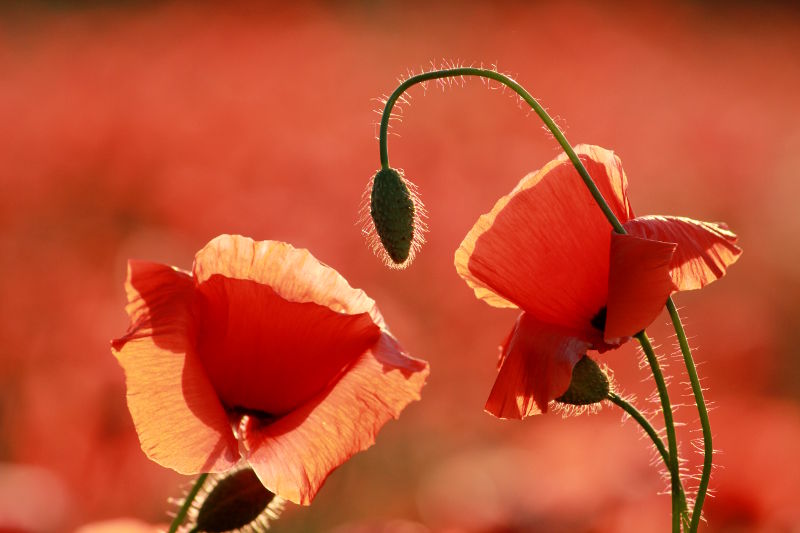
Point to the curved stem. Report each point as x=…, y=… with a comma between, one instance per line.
x=697, y=389
x=187, y=504
x=669, y=425
x=642, y=421
x=651, y=432
x=525, y=95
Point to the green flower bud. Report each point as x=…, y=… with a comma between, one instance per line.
x=395, y=226
x=234, y=500
x=589, y=384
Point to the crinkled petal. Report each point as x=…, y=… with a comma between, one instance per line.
x=293, y=273
x=178, y=416
x=536, y=367
x=544, y=246
x=264, y=353
x=705, y=249
x=293, y=455
x=638, y=284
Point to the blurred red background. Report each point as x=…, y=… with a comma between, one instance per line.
x=145, y=129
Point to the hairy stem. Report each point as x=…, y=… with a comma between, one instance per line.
x=697, y=390
x=187, y=504
x=525, y=95
x=651, y=432
x=642, y=421
x=669, y=424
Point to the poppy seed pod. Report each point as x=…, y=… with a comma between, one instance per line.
x=395, y=228
x=589, y=384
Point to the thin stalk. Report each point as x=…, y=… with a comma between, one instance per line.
x=187, y=504
x=697, y=389
x=669, y=424
x=651, y=432
x=525, y=95
x=642, y=421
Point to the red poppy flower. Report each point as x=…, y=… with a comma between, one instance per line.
x=547, y=249
x=262, y=354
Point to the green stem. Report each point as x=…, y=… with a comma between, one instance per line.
x=642, y=421
x=651, y=432
x=187, y=504
x=525, y=95
x=669, y=424
x=697, y=389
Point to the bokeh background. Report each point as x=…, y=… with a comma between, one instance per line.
x=143, y=129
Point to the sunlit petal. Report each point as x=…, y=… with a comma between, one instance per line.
x=536, y=367
x=705, y=249
x=178, y=416
x=638, y=284
x=294, y=454
x=293, y=273
x=268, y=354
x=544, y=246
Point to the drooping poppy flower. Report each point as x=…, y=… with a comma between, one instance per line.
x=262, y=355
x=547, y=249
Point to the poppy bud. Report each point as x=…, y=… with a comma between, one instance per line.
x=589, y=384
x=395, y=211
x=235, y=500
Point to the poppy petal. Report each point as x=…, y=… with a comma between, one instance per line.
x=544, y=246
x=294, y=454
x=705, y=249
x=178, y=416
x=264, y=353
x=284, y=268
x=277, y=326
x=638, y=284
x=536, y=367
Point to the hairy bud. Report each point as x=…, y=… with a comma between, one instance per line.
x=589, y=384
x=234, y=501
x=394, y=228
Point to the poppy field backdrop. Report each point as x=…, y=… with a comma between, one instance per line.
x=143, y=130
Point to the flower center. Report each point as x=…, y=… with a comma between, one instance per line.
x=598, y=321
